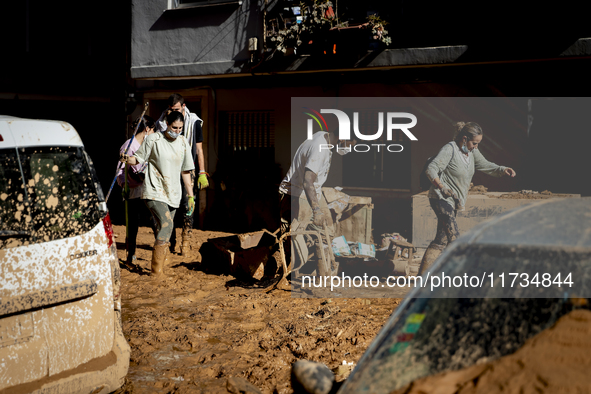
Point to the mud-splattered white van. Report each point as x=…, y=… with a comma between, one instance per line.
x=60, y=314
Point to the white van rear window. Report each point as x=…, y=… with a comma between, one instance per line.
x=46, y=193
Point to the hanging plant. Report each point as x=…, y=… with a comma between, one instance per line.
x=376, y=24
x=317, y=20
x=314, y=21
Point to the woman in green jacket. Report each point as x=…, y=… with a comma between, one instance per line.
x=450, y=174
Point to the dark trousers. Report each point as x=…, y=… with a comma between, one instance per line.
x=136, y=211
x=135, y=207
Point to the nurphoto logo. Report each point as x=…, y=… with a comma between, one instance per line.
x=344, y=132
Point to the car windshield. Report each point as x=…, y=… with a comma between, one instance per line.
x=48, y=193
x=432, y=335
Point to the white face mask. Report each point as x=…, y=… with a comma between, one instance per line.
x=342, y=149
x=176, y=125
x=465, y=147
x=172, y=135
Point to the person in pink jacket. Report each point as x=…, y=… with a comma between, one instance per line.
x=135, y=205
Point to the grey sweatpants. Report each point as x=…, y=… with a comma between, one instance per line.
x=164, y=216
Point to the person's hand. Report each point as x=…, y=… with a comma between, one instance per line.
x=447, y=192
x=318, y=218
x=202, y=181
x=123, y=158
x=191, y=205
x=510, y=172
x=125, y=193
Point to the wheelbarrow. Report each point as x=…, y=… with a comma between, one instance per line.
x=247, y=255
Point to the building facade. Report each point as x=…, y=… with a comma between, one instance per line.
x=239, y=64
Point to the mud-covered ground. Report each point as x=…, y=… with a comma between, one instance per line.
x=554, y=361
x=192, y=330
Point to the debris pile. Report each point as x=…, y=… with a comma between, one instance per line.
x=479, y=189
x=533, y=195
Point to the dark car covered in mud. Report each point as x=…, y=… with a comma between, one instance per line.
x=436, y=331
x=60, y=312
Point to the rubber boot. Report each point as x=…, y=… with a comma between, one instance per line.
x=158, y=258
x=431, y=254
x=168, y=259
x=186, y=244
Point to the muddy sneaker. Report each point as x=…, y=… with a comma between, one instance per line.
x=129, y=264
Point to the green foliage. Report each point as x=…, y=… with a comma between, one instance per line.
x=376, y=24
x=318, y=19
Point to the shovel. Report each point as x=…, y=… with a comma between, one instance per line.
x=279, y=283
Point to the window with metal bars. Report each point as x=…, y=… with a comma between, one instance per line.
x=247, y=141
x=378, y=169
x=249, y=129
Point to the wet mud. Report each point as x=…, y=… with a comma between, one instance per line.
x=196, y=327
x=554, y=361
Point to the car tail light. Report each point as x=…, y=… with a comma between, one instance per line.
x=114, y=262
x=108, y=229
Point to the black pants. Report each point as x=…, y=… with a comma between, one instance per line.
x=447, y=227
x=136, y=210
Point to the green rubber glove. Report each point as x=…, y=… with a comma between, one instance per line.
x=202, y=182
x=191, y=204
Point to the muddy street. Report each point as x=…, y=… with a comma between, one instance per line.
x=191, y=331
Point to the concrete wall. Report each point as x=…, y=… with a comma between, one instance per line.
x=193, y=41
x=171, y=43
x=479, y=207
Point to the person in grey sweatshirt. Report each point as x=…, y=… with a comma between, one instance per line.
x=450, y=174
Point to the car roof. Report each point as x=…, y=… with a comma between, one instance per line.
x=22, y=133
x=553, y=222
